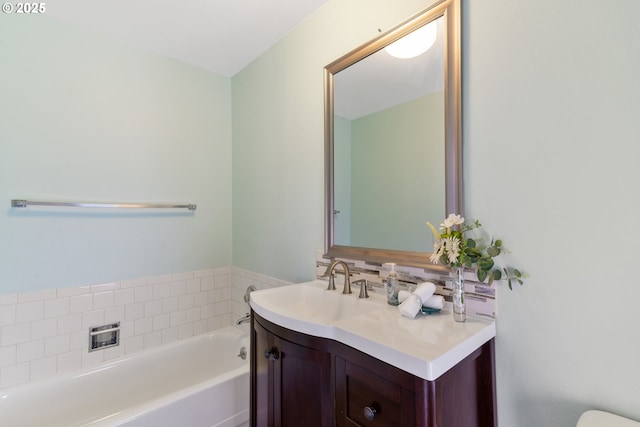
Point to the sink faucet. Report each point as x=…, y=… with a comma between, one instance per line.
x=244, y=319
x=347, y=279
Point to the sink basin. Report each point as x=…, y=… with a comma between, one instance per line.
x=309, y=303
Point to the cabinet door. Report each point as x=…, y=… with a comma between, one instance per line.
x=302, y=386
x=290, y=383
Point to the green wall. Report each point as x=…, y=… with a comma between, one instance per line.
x=397, y=180
x=84, y=118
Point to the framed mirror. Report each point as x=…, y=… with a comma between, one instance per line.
x=393, y=143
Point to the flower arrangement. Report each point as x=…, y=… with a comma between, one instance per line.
x=454, y=248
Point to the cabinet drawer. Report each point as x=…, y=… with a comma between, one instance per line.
x=361, y=393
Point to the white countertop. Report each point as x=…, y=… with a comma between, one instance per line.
x=426, y=346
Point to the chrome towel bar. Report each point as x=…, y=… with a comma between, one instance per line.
x=17, y=203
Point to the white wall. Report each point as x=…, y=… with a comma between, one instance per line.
x=551, y=144
x=85, y=118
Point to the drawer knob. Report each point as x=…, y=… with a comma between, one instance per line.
x=370, y=412
x=272, y=354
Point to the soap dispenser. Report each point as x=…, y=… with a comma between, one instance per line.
x=392, y=285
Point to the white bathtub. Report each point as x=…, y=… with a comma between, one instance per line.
x=197, y=382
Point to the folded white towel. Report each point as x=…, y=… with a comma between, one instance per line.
x=410, y=307
x=435, y=301
x=403, y=295
x=424, y=291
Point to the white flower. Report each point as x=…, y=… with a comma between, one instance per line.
x=452, y=248
x=452, y=220
x=438, y=250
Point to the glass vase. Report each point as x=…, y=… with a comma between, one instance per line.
x=457, y=294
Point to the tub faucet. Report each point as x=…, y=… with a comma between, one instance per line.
x=347, y=280
x=244, y=319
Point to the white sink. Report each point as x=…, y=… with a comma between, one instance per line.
x=309, y=306
x=426, y=346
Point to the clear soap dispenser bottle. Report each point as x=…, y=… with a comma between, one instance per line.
x=392, y=285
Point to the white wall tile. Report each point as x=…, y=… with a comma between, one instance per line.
x=185, y=331
x=178, y=288
x=143, y=326
x=80, y=303
x=169, y=335
x=15, y=334
x=193, y=286
x=115, y=314
x=133, y=344
x=134, y=311
x=70, y=361
x=44, y=328
x=8, y=355
x=103, y=299
x=105, y=287
x=56, y=307
x=28, y=311
x=42, y=368
x=144, y=293
x=161, y=321
x=69, y=292
x=152, y=339
x=152, y=308
x=8, y=299
x=124, y=296
x=30, y=350
x=70, y=323
x=56, y=345
x=14, y=375
x=7, y=314
x=37, y=296
x=92, y=318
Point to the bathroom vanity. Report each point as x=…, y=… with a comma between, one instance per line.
x=321, y=358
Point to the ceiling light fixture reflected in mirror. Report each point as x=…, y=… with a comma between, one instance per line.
x=415, y=43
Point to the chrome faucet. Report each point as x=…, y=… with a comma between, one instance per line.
x=244, y=319
x=347, y=279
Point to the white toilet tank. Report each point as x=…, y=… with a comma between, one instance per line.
x=604, y=419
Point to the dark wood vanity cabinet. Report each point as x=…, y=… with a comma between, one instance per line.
x=305, y=381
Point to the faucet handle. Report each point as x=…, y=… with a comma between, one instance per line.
x=363, y=288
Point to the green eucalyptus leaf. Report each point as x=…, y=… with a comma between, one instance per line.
x=498, y=243
x=486, y=264
x=517, y=272
x=493, y=251
x=509, y=282
x=471, y=243
x=482, y=275
x=496, y=274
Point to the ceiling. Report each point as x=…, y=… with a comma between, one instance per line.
x=222, y=36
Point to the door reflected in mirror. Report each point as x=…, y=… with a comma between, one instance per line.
x=393, y=143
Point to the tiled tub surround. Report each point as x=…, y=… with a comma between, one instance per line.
x=46, y=332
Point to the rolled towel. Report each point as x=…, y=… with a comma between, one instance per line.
x=435, y=301
x=403, y=295
x=410, y=307
x=424, y=291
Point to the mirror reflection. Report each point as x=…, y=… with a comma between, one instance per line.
x=389, y=157
x=393, y=142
